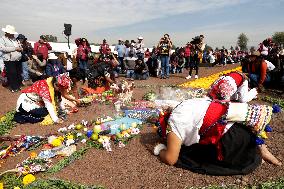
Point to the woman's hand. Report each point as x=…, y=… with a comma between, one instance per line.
x=78, y=102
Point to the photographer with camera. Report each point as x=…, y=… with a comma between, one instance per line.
x=82, y=54
x=164, y=47
x=198, y=47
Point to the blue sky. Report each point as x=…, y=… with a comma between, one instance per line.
x=221, y=21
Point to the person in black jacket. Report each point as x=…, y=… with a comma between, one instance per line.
x=26, y=53
x=141, y=71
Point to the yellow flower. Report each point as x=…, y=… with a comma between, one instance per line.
x=1, y=185
x=56, y=142
x=47, y=121
x=206, y=82
x=61, y=138
x=17, y=187
x=29, y=178
x=3, y=119
x=70, y=136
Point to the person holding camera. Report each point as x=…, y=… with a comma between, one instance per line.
x=82, y=54
x=164, y=47
x=198, y=47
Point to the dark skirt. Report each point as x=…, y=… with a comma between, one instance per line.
x=241, y=155
x=33, y=116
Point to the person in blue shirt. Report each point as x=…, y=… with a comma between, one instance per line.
x=54, y=67
x=121, y=50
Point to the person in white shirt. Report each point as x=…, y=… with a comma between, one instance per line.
x=216, y=138
x=41, y=99
x=140, y=48
x=11, y=54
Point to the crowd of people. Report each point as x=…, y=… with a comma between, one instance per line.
x=23, y=64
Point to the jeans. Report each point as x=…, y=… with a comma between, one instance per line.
x=140, y=55
x=130, y=74
x=187, y=61
x=254, y=79
x=25, y=71
x=141, y=76
x=165, y=66
x=83, y=64
x=194, y=64
x=121, y=63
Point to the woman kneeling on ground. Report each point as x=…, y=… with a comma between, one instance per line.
x=215, y=138
x=141, y=71
x=101, y=76
x=41, y=99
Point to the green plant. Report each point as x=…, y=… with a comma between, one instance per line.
x=7, y=122
x=272, y=100
x=11, y=180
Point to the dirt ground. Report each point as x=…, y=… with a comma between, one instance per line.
x=135, y=166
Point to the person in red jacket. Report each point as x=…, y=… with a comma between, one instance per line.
x=42, y=47
x=104, y=47
x=82, y=54
x=187, y=54
x=257, y=71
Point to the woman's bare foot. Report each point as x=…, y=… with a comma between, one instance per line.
x=267, y=156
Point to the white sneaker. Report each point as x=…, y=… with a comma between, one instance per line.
x=188, y=77
x=196, y=76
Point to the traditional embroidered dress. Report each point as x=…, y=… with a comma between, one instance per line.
x=203, y=122
x=232, y=86
x=36, y=102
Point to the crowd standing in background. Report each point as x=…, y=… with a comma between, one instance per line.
x=21, y=64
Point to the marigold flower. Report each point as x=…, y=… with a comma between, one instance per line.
x=29, y=178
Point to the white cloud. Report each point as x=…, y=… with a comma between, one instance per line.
x=35, y=17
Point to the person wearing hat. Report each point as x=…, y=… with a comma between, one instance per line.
x=53, y=67
x=257, y=71
x=104, y=48
x=42, y=47
x=140, y=48
x=41, y=99
x=11, y=51
x=26, y=54
x=211, y=137
x=121, y=50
